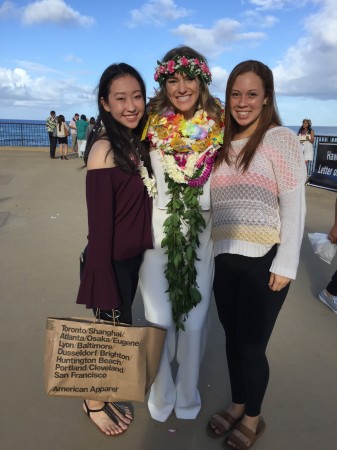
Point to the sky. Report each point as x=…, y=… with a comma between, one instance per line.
x=53, y=52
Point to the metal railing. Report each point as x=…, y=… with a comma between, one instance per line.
x=13, y=134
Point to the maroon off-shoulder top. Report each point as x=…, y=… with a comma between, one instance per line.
x=119, y=223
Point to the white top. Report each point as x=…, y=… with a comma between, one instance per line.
x=254, y=210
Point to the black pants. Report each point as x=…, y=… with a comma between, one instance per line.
x=332, y=286
x=248, y=310
x=53, y=142
x=127, y=279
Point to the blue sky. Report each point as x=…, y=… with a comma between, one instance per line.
x=54, y=51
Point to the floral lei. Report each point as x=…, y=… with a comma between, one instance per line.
x=149, y=183
x=188, y=150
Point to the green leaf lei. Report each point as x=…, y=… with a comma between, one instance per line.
x=183, y=209
x=188, y=150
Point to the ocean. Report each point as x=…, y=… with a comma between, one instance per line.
x=319, y=131
x=32, y=133
x=24, y=133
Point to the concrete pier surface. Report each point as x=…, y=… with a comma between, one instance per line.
x=43, y=229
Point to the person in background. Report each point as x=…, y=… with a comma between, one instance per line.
x=90, y=127
x=81, y=127
x=258, y=212
x=307, y=135
x=62, y=136
x=51, y=123
x=73, y=130
x=185, y=132
x=329, y=295
x=119, y=213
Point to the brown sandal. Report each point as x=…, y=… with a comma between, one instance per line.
x=215, y=424
x=247, y=433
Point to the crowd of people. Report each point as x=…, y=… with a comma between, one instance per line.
x=188, y=195
x=58, y=131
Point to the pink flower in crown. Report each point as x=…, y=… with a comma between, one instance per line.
x=184, y=61
x=196, y=62
x=171, y=66
x=204, y=68
x=159, y=71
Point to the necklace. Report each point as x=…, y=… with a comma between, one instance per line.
x=149, y=182
x=188, y=151
x=188, y=147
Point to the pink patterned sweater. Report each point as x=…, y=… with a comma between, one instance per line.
x=263, y=206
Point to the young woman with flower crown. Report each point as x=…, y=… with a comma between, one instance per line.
x=185, y=129
x=119, y=213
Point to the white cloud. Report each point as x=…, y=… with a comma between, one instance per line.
x=218, y=39
x=45, y=11
x=56, y=11
x=35, y=67
x=219, y=81
x=270, y=4
x=309, y=68
x=8, y=10
x=19, y=88
x=253, y=18
x=322, y=25
x=72, y=58
x=12, y=79
x=156, y=13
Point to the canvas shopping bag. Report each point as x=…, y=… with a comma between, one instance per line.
x=100, y=361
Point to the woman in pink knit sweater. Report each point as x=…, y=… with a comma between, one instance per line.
x=258, y=211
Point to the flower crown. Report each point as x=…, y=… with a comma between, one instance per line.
x=193, y=67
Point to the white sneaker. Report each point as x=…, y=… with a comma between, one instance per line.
x=328, y=300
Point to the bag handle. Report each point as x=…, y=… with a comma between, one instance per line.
x=113, y=318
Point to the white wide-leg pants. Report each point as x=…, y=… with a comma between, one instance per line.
x=181, y=394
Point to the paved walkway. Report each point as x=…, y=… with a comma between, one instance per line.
x=43, y=230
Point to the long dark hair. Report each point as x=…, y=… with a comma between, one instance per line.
x=160, y=102
x=60, y=120
x=269, y=115
x=309, y=129
x=126, y=148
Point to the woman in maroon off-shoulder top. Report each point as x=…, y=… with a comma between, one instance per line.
x=119, y=213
